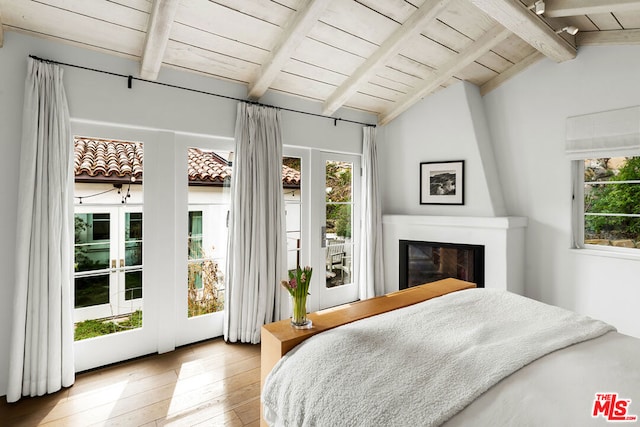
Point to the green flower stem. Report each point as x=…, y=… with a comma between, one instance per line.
x=299, y=292
x=299, y=310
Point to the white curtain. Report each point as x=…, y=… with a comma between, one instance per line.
x=41, y=355
x=371, y=261
x=256, y=256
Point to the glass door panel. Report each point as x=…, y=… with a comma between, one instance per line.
x=95, y=252
x=339, y=222
x=130, y=267
x=208, y=199
x=292, y=183
x=203, y=208
x=92, y=251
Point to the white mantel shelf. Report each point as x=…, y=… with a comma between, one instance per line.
x=503, y=222
x=502, y=238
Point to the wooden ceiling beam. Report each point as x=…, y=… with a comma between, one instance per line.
x=560, y=8
x=515, y=16
x=608, y=38
x=510, y=72
x=391, y=46
x=472, y=52
x=1, y=30
x=160, y=21
x=293, y=35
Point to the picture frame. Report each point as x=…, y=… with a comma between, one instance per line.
x=442, y=183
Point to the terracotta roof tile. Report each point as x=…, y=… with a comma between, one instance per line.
x=106, y=158
x=103, y=159
x=207, y=166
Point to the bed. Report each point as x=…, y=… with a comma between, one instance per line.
x=449, y=354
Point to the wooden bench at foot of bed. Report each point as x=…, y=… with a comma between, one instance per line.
x=279, y=337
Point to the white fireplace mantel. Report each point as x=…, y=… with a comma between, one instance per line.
x=502, y=238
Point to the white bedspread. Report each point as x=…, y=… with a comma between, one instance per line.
x=419, y=365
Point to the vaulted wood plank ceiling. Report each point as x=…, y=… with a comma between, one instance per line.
x=379, y=56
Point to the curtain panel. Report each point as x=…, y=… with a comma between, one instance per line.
x=371, y=273
x=256, y=256
x=41, y=355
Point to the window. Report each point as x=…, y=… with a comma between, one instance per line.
x=612, y=202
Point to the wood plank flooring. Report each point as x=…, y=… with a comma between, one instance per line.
x=210, y=384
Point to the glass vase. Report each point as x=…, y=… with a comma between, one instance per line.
x=299, y=318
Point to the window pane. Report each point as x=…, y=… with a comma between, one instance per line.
x=92, y=290
x=612, y=230
x=100, y=226
x=133, y=238
x=612, y=201
x=338, y=206
x=195, y=235
x=208, y=198
x=612, y=169
x=292, y=183
x=133, y=285
x=91, y=253
x=339, y=221
x=338, y=181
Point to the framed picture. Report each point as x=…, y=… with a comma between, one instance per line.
x=442, y=183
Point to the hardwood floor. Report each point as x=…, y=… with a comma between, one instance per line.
x=210, y=384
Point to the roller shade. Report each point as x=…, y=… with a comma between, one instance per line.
x=604, y=134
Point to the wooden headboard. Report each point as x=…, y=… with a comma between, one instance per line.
x=279, y=337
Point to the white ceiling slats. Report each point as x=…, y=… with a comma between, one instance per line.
x=605, y=21
x=323, y=56
x=127, y=17
x=629, y=20
x=44, y=21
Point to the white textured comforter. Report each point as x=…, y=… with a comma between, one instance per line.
x=420, y=365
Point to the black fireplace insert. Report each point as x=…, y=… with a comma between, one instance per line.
x=425, y=262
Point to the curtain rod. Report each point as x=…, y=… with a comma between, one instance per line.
x=130, y=78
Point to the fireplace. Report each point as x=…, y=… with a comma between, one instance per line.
x=502, y=237
x=425, y=262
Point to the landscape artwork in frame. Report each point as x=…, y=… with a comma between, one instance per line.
x=442, y=183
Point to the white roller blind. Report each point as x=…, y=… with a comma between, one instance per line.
x=604, y=134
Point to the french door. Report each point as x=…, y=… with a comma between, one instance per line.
x=117, y=299
x=202, y=209
x=108, y=261
x=322, y=218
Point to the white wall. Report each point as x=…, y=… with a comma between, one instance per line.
x=522, y=170
x=449, y=125
x=103, y=98
x=527, y=121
